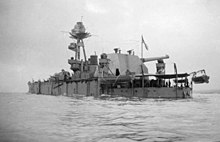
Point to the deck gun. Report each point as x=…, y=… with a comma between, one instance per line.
x=154, y=58
x=160, y=66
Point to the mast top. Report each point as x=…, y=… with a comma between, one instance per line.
x=79, y=32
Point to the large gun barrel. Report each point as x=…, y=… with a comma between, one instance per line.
x=154, y=58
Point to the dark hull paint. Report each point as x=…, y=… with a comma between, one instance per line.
x=94, y=88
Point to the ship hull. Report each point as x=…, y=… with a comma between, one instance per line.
x=96, y=89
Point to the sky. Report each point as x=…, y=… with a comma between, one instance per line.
x=34, y=46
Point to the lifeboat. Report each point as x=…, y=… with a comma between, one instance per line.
x=200, y=77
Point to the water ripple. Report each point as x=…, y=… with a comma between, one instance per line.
x=87, y=119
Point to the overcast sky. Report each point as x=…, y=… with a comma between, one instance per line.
x=33, y=46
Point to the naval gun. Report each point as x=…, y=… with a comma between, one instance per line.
x=154, y=58
x=160, y=66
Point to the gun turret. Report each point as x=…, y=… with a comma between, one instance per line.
x=154, y=58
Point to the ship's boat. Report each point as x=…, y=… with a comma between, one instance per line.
x=200, y=77
x=115, y=74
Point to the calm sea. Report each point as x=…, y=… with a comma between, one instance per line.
x=41, y=118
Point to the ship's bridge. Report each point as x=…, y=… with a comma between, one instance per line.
x=124, y=63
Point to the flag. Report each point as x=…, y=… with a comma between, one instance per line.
x=143, y=42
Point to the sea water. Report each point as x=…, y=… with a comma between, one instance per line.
x=39, y=118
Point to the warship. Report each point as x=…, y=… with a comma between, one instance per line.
x=115, y=75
